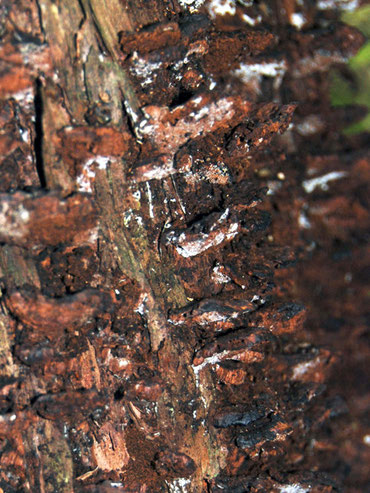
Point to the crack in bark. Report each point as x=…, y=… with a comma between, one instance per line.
x=38, y=143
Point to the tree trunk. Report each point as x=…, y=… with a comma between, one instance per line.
x=152, y=322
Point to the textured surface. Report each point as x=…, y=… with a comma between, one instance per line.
x=183, y=261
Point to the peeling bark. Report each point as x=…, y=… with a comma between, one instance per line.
x=158, y=209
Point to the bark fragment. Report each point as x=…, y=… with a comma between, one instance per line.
x=153, y=333
x=42, y=219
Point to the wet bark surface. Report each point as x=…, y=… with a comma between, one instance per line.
x=183, y=261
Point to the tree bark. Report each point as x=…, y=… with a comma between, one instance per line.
x=152, y=327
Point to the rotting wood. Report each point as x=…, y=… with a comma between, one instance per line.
x=152, y=216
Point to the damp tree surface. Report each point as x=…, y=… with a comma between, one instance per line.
x=176, y=199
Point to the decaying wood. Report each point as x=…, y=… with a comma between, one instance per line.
x=171, y=175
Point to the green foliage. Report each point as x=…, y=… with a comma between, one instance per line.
x=356, y=91
x=359, y=18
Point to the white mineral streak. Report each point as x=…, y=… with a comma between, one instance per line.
x=131, y=113
x=218, y=276
x=273, y=187
x=137, y=195
x=179, y=485
x=268, y=69
x=303, y=220
x=256, y=297
x=87, y=176
x=24, y=135
x=249, y=20
x=201, y=113
x=196, y=47
x=205, y=319
x=217, y=358
x=139, y=220
x=293, y=488
x=141, y=307
x=192, y=247
x=145, y=127
x=24, y=97
x=180, y=64
x=123, y=363
x=102, y=161
x=200, y=120
x=211, y=360
x=93, y=236
x=198, y=100
x=253, y=73
x=302, y=368
x=212, y=84
x=150, y=200
x=221, y=7
x=322, y=181
x=127, y=216
x=191, y=5
x=169, y=137
x=144, y=69
x=298, y=20
x=158, y=172
x=348, y=5
x=212, y=317
x=24, y=215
